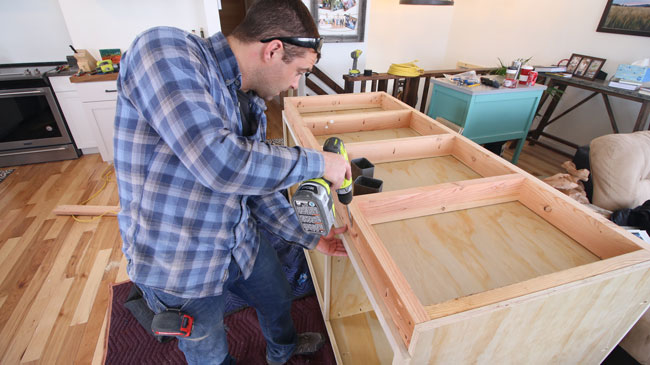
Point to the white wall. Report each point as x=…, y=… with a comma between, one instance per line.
x=336, y=59
x=32, y=31
x=403, y=33
x=102, y=24
x=475, y=31
x=549, y=31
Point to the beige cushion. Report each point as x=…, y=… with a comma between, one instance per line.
x=620, y=168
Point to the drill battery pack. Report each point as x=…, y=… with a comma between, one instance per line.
x=314, y=206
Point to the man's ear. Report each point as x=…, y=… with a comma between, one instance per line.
x=272, y=49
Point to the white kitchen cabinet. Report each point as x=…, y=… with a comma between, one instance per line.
x=99, y=100
x=73, y=111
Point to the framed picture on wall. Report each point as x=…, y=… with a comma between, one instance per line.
x=626, y=17
x=340, y=20
x=585, y=67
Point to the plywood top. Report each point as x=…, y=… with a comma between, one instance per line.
x=456, y=254
x=422, y=172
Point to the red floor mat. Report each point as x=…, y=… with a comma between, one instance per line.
x=129, y=343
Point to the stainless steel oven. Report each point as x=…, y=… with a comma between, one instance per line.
x=32, y=127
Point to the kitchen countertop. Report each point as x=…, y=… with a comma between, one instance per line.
x=93, y=78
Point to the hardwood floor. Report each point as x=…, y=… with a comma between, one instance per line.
x=55, y=272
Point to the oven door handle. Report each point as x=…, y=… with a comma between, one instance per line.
x=18, y=93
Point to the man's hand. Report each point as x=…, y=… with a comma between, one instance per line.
x=330, y=245
x=337, y=169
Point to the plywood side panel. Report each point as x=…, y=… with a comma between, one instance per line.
x=389, y=327
x=360, y=340
x=538, y=284
x=637, y=341
x=426, y=200
x=479, y=159
x=370, y=136
x=316, y=261
x=402, y=149
x=541, y=328
x=399, y=298
x=591, y=230
x=456, y=254
x=346, y=123
x=347, y=294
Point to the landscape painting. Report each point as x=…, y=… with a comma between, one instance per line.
x=626, y=17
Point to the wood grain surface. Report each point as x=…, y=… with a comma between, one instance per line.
x=456, y=254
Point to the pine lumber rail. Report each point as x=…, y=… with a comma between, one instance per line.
x=106, y=210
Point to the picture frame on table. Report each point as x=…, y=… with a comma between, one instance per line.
x=574, y=61
x=593, y=68
x=584, y=67
x=625, y=17
x=339, y=20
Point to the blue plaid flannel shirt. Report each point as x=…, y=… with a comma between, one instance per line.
x=192, y=189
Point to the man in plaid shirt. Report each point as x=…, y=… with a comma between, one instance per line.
x=196, y=180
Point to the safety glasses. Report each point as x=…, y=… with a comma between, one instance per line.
x=306, y=42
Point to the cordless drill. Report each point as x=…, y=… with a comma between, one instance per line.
x=355, y=57
x=313, y=200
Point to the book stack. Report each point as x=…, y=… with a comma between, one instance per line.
x=645, y=89
x=624, y=84
x=631, y=77
x=550, y=68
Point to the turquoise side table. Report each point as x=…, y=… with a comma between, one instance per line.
x=487, y=114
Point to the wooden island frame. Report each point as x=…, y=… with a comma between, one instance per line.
x=464, y=257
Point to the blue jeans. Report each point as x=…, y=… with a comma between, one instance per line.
x=267, y=290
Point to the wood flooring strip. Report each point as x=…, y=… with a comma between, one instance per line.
x=45, y=282
x=31, y=304
x=57, y=343
x=24, y=282
x=17, y=226
x=42, y=194
x=90, y=290
x=44, y=328
x=8, y=254
x=73, y=267
x=98, y=356
x=92, y=332
x=70, y=346
x=30, y=314
x=55, y=231
x=2, y=300
x=121, y=273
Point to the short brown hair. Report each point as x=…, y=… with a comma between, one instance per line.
x=277, y=18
